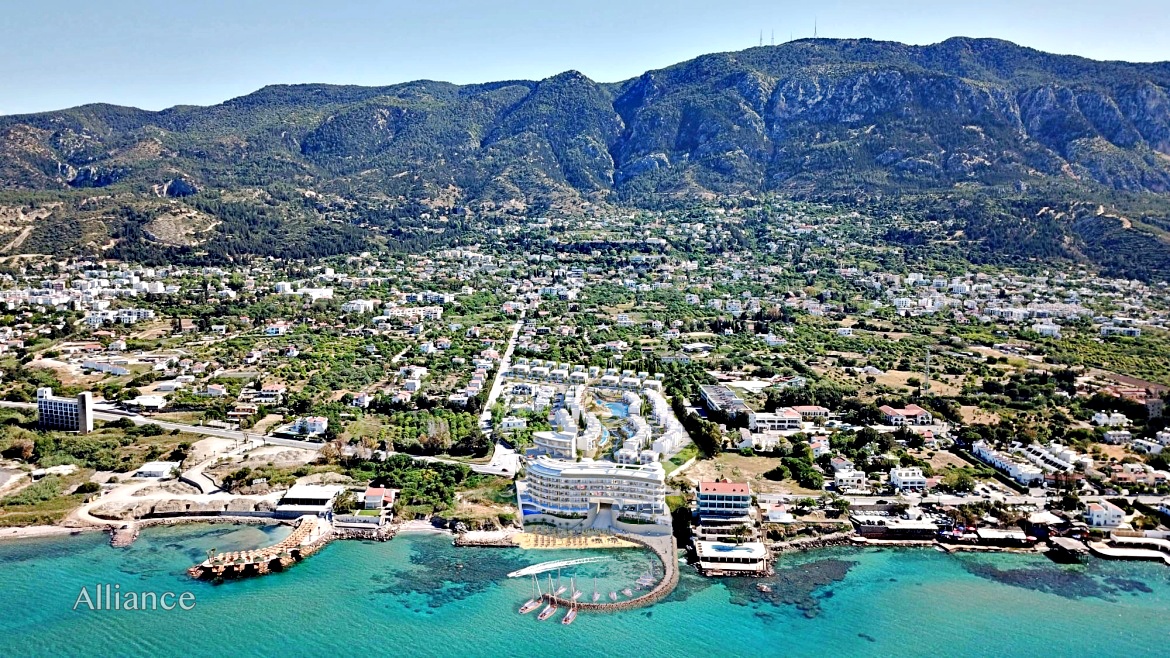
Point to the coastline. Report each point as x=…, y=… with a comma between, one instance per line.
x=40, y=531
x=515, y=538
x=43, y=531
x=420, y=527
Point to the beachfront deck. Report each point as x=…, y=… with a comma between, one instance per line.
x=1101, y=549
x=307, y=538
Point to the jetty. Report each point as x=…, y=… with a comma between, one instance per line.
x=1133, y=548
x=1067, y=549
x=124, y=535
x=310, y=535
x=549, y=566
x=666, y=548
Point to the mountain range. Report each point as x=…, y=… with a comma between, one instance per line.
x=817, y=118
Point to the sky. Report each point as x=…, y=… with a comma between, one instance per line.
x=154, y=54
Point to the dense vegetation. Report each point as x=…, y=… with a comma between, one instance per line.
x=424, y=487
x=980, y=131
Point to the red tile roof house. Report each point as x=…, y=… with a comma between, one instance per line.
x=375, y=498
x=911, y=415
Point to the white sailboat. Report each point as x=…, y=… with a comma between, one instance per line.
x=534, y=602
x=560, y=588
x=550, y=608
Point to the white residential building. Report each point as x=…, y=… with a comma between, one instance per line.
x=1118, y=436
x=908, y=479
x=1016, y=468
x=511, y=423
x=848, y=479
x=1047, y=330
x=310, y=425
x=1115, y=419
x=782, y=419
x=1104, y=515
x=359, y=306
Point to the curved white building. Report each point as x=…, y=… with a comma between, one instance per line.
x=570, y=489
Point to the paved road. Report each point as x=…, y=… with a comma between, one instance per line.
x=943, y=499
x=505, y=462
x=138, y=419
x=200, y=480
x=505, y=363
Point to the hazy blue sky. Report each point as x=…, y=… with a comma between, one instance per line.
x=60, y=53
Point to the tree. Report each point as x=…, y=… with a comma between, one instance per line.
x=345, y=503
x=740, y=531
x=958, y=480
x=1069, y=502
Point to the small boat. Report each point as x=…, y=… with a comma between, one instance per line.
x=596, y=594
x=570, y=616
x=534, y=602
x=560, y=588
x=613, y=596
x=547, y=612
x=628, y=592
x=767, y=589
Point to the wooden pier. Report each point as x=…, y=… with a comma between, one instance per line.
x=310, y=535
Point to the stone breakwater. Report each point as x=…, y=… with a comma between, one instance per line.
x=813, y=543
x=484, y=542
x=383, y=533
x=125, y=535
x=666, y=548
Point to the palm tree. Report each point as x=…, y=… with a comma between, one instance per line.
x=740, y=531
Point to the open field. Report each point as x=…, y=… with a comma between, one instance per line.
x=736, y=467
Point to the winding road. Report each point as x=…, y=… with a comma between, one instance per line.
x=138, y=419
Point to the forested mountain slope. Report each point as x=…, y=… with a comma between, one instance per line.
x=838, y=119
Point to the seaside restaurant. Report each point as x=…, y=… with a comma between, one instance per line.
x=308, y=499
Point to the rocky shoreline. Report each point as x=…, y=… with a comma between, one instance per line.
x=501, y=539
x=812, y=543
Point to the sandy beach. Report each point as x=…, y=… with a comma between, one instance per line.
x=32, y=532
x=540, y=541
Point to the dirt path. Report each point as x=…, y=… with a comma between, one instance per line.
x=26, y=231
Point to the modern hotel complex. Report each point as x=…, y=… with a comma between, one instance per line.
x=60, y=413
x=580, y=490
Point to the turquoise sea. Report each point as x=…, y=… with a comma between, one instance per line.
x=419, y=596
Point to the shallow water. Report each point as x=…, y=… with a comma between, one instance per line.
x=418, y=595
